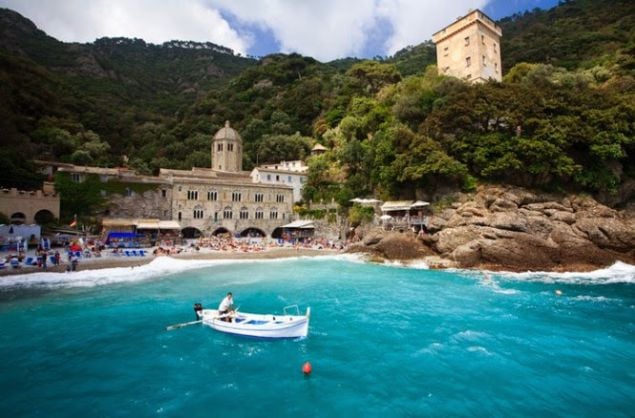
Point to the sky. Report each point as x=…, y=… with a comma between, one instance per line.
x=322, y=29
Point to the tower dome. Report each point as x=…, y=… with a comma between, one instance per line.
x=227, y=152
x=227, y=133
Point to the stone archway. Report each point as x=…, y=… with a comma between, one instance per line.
x=277, y=233
x=190, y=232
x=18, y=218
x=221, y=231
x=253, y=232
x=44, y=216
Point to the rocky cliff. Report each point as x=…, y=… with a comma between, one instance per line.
x=515, y=229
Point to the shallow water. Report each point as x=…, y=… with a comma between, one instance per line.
x=383, y=341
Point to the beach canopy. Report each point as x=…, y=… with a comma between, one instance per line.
x=300, y=225
x=396, y=205
x=147, y=224
x=142, y=223
x=365, y=201
x=169, y=225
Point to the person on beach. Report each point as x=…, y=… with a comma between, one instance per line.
x=74, y=259
x=226, y=308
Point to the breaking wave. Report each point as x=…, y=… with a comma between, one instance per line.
x=617, y=273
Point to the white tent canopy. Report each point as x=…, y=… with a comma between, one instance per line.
x=300, y=225
x=399, y=205
x=169, y=225
x=365, y=201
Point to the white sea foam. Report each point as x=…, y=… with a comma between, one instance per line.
x=479, y=349
x=469, y=335
x=89, y=278
x=617, y=273
x=417, y=265
x=159, y=267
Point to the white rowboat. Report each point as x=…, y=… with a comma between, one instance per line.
x=258, y=325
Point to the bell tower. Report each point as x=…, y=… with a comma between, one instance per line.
x=227, y=150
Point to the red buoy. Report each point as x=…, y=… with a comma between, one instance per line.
x=306, y=368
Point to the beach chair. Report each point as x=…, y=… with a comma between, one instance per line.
x=52, y=260
x=15, y=263
x=2, y=265
x=133, y=252
x=142, y=253
x=127, y=253
x=30, y=261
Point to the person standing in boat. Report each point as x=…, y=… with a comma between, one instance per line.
x=226, y=307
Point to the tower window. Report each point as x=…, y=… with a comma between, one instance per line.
x=230, y=147
x=219, y=147
x=467, y=41
x=468, y=61
x=484, y=62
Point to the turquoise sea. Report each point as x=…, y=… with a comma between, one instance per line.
x=384, y=341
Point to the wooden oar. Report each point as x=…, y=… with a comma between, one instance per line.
x=183, y=324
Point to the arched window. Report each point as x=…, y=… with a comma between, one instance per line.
x=227, y=213
x=259, y=214
x=244, y=213
x=273, y=214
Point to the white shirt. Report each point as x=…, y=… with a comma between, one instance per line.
x=226, y=304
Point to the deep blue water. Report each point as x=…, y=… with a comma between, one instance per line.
x=383, y=341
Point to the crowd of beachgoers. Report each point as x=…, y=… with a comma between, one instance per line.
x=88, y=254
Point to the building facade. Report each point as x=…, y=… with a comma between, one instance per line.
x=29, y=207
x=285, y=173
x=214, y=202
x=204, y=201
x=469, y=48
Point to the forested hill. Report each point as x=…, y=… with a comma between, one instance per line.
x=393, y=127
x=122, y=64
x=577, y=33
x=60, y=99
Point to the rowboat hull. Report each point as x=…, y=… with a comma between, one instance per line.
x=258, y=325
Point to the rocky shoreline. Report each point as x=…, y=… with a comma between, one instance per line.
x=513, y=229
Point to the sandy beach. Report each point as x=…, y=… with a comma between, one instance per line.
x=110, y=261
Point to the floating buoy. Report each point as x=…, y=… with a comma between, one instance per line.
x=306, y=368
x=558, y=292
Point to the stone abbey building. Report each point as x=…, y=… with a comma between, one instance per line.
x=204, y=201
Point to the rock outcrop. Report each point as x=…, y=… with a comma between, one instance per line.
x=516, y=229
x=510, y=228
x=391, y=246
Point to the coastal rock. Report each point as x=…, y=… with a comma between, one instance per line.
x=393, y=246
x=516, y=229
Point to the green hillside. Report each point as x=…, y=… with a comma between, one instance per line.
x=562, y=119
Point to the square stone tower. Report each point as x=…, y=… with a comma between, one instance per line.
x=469, y=48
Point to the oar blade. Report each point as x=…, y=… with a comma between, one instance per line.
x=183, y=324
